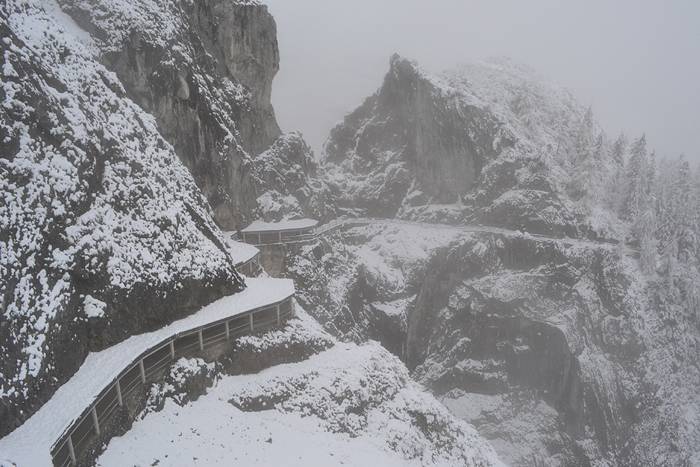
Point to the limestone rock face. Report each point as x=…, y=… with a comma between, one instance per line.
x=287, y=182
x=103, y=231
x=484, y=143
x=510, y=331
x=204, y=70
x=410, y=143
x=557, y=351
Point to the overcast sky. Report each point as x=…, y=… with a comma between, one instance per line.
x=636, y=62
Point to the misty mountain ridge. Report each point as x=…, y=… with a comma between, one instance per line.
x=500, y=280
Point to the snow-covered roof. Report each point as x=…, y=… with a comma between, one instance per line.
x=296, y=224
x=240, y=252
x=30, y=444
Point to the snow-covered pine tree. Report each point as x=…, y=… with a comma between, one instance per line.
x=635, y=181
x=586, y=160
x=615, y=182
x=618, y=150
x=684, y=212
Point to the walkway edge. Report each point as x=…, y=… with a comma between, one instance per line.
x=32, y=443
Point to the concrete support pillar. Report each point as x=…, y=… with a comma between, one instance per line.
x=251, y=321
x=95, y=421
x=119, y=392
x=71, y=449
x=277, y=309
x=228, y=332
x=143, y=372
x=201, y=340
x=172, y=350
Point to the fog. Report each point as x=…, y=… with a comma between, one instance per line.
x=637, y=63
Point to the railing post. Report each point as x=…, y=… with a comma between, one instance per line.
x=201, y=340
x=277, y=309
x=228, y=332
x=95, y=421
x=71, y=449
x=143, y=371
x=251, y=321
x=172, y=350
x=119, y=392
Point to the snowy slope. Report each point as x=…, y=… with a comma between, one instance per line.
x=31, y=443
x=557, y=351
x=350, y=405
x=96, y=205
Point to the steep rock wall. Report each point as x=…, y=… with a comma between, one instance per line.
x=204, y=70
x=103, y=231
x=488, y=144
x=528, y=327
x=410, y=141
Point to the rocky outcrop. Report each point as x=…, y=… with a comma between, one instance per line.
x=204, y=70
x=524, y=326
x=410, y=143
x=486, y=143
x=288, y=184
x=104, y=233
x=548, y=347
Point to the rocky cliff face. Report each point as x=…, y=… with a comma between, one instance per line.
x=560, y=351
x=486, y=143
x=288, y=183
x=410, y=143
x=513, y=331
x=103, y=231
x=204, y=70
x=555, y=350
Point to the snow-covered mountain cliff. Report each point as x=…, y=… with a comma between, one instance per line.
x=559, y=350
x=484, y=143
x=104, y=232
x=204, y=70
x=538, y=278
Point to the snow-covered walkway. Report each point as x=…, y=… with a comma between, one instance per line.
x=31, y=443
x=345, y=223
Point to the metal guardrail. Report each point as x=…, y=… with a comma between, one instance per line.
x=280, y=237
x=147, y=368
x=251, y=267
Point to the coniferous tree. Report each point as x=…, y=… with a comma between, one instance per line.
x=635, y=181
x=616, y=182
x=619, y=147
x=684, y=212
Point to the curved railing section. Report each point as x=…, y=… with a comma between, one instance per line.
x=251, y=267
x=149, y=367
x=281, y=237
x=286, y=236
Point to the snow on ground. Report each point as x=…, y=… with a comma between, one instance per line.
x=295, y=224
x=30, y=443
x=393, y=249
x=350, y=405
x=240, y=251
